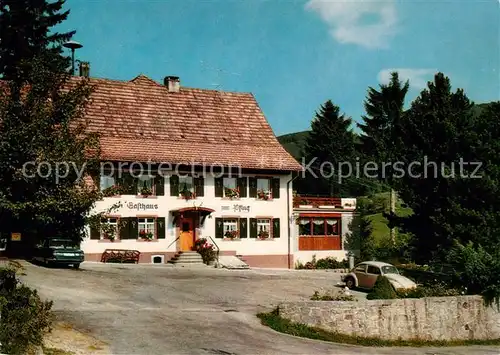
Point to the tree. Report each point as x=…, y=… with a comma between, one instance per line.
x=328, y=147
x=449, y=205
x=44, y=124
x=25, y=34
x=42, y=115
x=382, y=139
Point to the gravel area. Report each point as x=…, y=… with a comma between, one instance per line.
x=152, y=309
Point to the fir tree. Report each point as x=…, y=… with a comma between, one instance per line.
x=381, y=138
x=25, y=27
x=449, y=206
x=330, y=143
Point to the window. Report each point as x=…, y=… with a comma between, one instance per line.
x=186, y=184
x=230, y=187
x=373, y=270
x=264, y=228
x=146, y=228
x=145, y=185
x=263, y=188
x=230, y=228
x=106, y=182
x=109, y=228
x=305, y=226
x=319, y=226
x=389, y=269
x=360, y=268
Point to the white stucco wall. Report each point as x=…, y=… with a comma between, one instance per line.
x=304, y=256
x=275, y=208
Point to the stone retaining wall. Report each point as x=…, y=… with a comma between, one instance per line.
x=433, y=318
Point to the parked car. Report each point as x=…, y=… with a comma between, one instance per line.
x=58, y=251
x=365, y=274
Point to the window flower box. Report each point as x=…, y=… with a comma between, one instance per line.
x=231, y=234
x=188, y=195
x=146, y=191
x=263, y=195
x=146, y=235
x=263, y=235
x=231, y=193
x=114, y=190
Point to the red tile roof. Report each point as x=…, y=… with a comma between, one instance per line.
x=140, y=120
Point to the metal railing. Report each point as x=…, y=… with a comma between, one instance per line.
x=216, y=246
x=173, y=242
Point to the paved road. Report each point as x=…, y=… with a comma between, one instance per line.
x=161, y=310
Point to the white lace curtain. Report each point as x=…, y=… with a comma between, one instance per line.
x=318, y=221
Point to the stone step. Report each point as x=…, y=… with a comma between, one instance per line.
x=187, y=258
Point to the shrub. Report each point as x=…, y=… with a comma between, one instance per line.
x=24, y=316
x=382, y=290
x=439, y=289
x=205, y=249
x=331, y=263
x=326, y=263
x=329, y=296
x=477, y=270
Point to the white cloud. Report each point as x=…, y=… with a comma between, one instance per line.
x=418, y=77
x=348, y=23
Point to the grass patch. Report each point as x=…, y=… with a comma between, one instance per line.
x=274, y=321
x=55, y=351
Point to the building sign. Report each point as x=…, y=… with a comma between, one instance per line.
x=138, y=206
x=15, y=237
x=241, y=208
x=236, y=208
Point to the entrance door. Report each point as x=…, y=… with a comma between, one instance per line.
x=187, y=234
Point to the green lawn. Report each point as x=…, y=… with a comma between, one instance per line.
x=380, y=230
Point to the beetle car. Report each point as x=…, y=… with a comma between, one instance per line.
x=365, y=274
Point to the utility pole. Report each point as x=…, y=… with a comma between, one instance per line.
x=392, y=201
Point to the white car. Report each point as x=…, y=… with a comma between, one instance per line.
x=365, y=274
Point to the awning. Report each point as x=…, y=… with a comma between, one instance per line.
x=203, y=211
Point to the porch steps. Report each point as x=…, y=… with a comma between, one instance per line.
x=232, y=262
x=187, y=258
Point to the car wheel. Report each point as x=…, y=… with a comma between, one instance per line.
x=76, y=266
x=350, y=283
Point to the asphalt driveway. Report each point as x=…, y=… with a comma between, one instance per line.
x=154, y=309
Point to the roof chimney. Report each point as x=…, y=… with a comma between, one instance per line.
x=172, y=83
x=85, y=69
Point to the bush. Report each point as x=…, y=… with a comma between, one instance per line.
x=329, y=296
x=438, y=289
x=382, y=290
x=205, y=249
x=24, y=316
x=323, y=264
x=477, y=270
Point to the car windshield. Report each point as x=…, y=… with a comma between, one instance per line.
x=63, y=244
x=389, y=269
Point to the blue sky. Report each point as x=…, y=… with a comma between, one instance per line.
x=293, y=55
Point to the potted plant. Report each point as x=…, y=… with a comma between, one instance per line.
x=231, y=234
x=232, y=193
x=146, y=191
x=206, y=250
x=263, y=234
x=188, y=195
x=262, y=195
x=146, y=235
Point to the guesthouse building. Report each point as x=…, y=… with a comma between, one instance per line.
x=179, y=164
